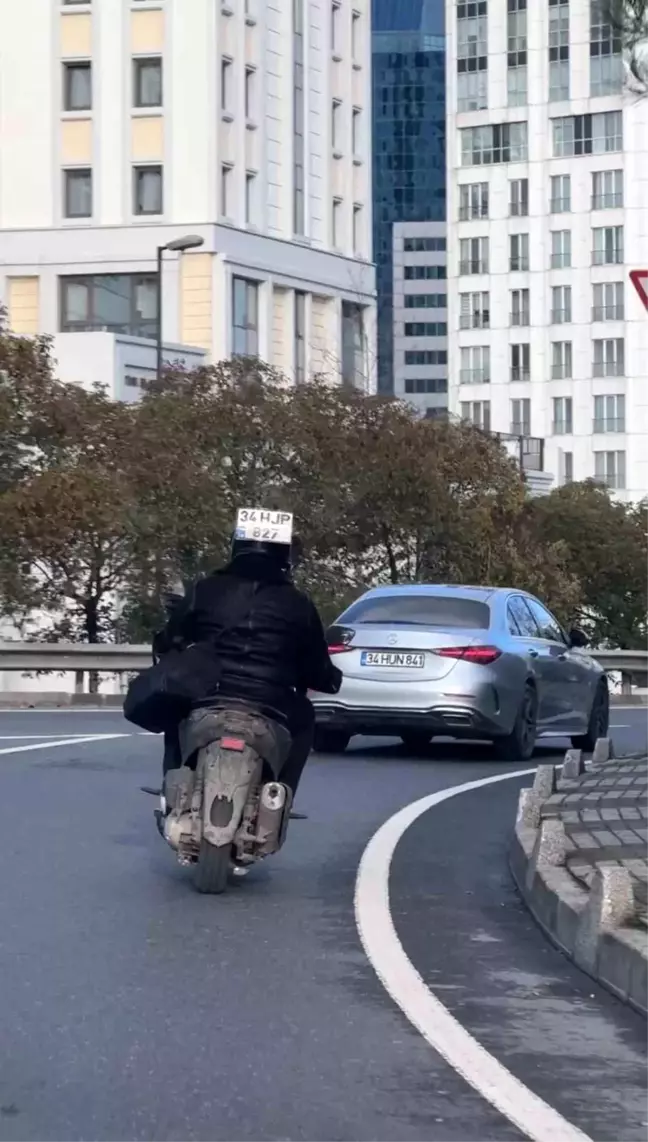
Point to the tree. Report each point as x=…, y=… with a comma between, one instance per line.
x=628, y=20
x=608, y=553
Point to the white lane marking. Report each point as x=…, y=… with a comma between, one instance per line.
x=62, y=741
x=620, y=726
x=534, y=1117
x=44, y=737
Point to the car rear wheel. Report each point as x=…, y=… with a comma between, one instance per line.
x=599, y=719
x=520, y=743
x=416, y=741
x=330, y=741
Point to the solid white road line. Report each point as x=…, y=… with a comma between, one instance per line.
x=62, y=741
x=530, y=1114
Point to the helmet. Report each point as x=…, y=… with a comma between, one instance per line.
x=266, y=534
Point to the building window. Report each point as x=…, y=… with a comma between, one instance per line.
x=519, y=197
x=353, y=345
x=336, y=223
x=420, y=245
x=356, y=41
x=474, y=310
x=426, y=300
x=424, y=273
x=561, y=305
x=356, y=133
x=147, y=190
x=606, y=58
x=516, y=57
x=600, y=134
x=558, y=52
x=472, y=59
x=426, y=385
x=520, y=307
x=299, y=201
x=565, y=467
x=477, y=412
x=561, y=360
x=496, y=143
x=610, y=469
x=358, y=237
x=336, y=38
x=147, y=82
x=609, y=413
x=607, y=245
x=608, y=302
x=560, y=249
x=245, y=318
x=77, y=193
x=249, y=101
x=474, y=365
x=473, y=201
x=77, y=86
x=518, y=251
x=225, y=189
x=521, y=417
x=426, y=357
x=562, y=424
x=560, y=193
x=609, y=358
x=521, y=362
x=472, y=90
x=250, y=198
x=426, y=329
x=114, y=303
x=300, y=337
x=336, y=126
x=607, y=190
x=226, y=93
x=473, y=256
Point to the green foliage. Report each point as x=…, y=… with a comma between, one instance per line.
x=105, y=506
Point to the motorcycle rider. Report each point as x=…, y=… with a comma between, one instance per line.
x=272, y=656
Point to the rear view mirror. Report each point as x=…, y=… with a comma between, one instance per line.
x=578, y=639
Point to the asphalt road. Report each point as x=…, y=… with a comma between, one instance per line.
x=132, y=1008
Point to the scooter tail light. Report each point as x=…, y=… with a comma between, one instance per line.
x=236, y=744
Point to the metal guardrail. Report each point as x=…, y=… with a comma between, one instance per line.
x=119, y=658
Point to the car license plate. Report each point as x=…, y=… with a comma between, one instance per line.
x=403, y=658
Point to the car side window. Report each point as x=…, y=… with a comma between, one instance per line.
x=520, y=619
x=550, y=629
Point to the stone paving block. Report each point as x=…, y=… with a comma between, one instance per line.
x=584, y=840
x=606, y=838
x=610, y=814
x=571, y=816
x=626, y=836
x=629, y=814
x=592, y=814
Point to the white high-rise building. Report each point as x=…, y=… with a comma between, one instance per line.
x=128, y=124
x=547, y=215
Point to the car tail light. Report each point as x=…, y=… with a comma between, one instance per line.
x=339, y=639
x=236, y=744
x=339, y=648
x=482, y=655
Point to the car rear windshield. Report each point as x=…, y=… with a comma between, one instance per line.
x=420, y=610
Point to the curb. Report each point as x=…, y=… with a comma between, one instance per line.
x=591, y=928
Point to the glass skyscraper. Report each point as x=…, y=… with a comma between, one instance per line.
x=408, y=61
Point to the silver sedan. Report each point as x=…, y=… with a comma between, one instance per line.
x=421, y=661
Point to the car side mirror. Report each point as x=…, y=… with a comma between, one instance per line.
x=578, y=639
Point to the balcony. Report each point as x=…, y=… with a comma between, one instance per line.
x=474, y=266
x=475, y=320
x=474, y=376
x=609, y=424
x=607, y=313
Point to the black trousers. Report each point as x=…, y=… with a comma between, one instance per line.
x=301, y=723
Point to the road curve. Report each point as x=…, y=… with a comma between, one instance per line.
x=135, y=1009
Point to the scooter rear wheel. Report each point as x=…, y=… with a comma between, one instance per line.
x=212, y=869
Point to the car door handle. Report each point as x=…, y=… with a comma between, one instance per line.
x=533, y=653
x=562, y=657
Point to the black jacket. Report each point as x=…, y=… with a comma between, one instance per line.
x=275, y=648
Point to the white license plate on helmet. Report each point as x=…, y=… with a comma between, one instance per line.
x=406, y=659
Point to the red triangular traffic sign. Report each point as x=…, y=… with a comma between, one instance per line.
x=639, y=279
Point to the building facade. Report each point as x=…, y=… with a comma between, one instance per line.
x=420, y=350
x=408, y=171
x=547, y=211
x=127, y=124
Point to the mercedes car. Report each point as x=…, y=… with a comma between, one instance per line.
x=422, y=661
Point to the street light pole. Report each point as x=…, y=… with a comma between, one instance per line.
x=179, y=245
